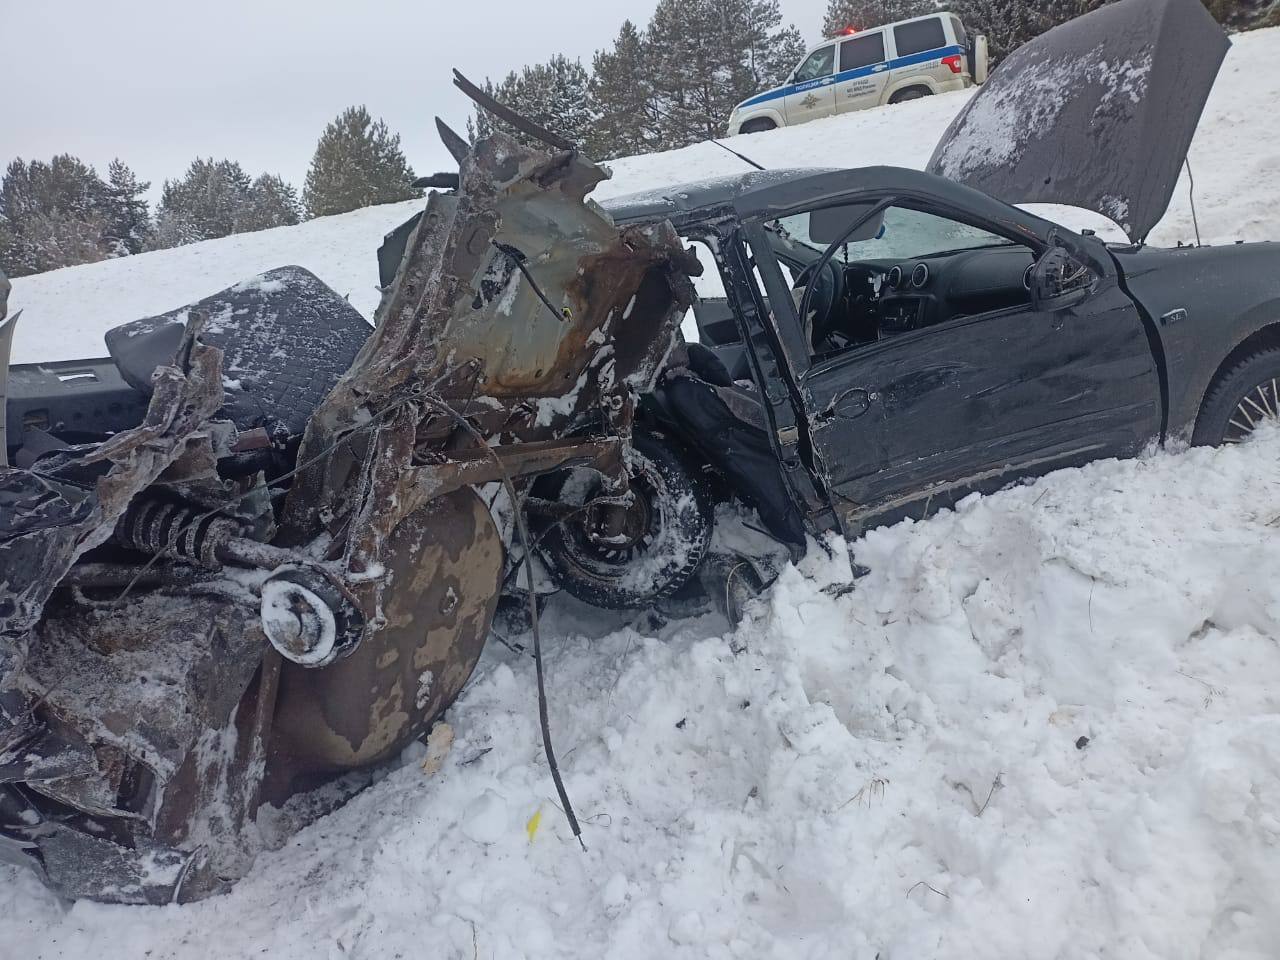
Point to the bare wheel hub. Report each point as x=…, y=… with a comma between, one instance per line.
x=1259, y=405
x=618, y=527
x=307, y=617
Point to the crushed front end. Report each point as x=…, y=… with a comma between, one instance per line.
x=226, y=605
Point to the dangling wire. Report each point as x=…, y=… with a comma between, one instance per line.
x=1191, y=192
x=526, y=543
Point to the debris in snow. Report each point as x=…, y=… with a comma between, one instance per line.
x=439, y=742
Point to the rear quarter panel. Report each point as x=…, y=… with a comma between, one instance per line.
x=1228, y=294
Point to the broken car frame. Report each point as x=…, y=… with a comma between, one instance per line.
x=183, y=639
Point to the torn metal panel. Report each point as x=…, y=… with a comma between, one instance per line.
x=177, y=645
x=513, y=300
x=73, y=506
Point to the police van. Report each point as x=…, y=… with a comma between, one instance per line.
x=868, y=68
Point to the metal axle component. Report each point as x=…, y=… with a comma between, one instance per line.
x=175, y=530
x=308, y=617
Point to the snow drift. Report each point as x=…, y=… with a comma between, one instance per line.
x=1045, y=725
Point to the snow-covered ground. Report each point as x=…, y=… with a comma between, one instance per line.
x=1235, y=158
x=1046, y=724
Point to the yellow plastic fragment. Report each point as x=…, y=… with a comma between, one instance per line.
x=534, y=822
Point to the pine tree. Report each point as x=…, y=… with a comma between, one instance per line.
x=864, y=14
x=10, y=250
x=272, y=203
x=706, y=56
x=1008, y=24
x=205, y=204
x=58, y=240
x=691, y=79
x=357, y=163
x=128, y=219
x=766, y=49
x=621, y=95
x=53, y=214
x=556, y=95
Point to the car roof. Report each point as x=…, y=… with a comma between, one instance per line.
x=877, y=28
x=763, y=194
x=679, y=201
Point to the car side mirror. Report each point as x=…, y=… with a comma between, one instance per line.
x=1058, y=281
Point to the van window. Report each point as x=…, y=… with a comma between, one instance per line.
x=957, y=28
x=820, y=63
x=919, y=36
x=862, y=51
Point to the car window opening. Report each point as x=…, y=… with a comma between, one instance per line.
x=903, y=270
x=820, y=63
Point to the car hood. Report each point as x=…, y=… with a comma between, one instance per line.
x=1096, y=113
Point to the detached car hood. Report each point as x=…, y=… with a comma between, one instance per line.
x=1096, y=113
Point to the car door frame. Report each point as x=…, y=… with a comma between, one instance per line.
x=799, y=365
x=861, y=88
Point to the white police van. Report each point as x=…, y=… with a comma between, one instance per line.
x=868, y=68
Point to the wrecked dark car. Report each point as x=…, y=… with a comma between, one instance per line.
x=898, y=339
x=891, y=340
x=247, y=556
x=259, y=549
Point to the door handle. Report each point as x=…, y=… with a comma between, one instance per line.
x=848, y=405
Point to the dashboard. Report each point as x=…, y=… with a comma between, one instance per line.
x=885, y=298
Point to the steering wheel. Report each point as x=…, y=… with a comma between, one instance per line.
x=824, y=300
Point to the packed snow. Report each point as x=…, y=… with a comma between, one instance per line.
x=1045, y=725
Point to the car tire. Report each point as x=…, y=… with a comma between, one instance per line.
x=1240, y=399
x=758, y=125
x=669, y=527
x=911, y=93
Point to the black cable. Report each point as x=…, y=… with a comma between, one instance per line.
x=516, y=257
x=523, y=532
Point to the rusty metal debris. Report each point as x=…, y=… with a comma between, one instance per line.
x=187, y=633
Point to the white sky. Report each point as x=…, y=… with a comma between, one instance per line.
x=160, y=82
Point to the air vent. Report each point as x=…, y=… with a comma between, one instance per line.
x=1026, y=277
x=920, y=275
x=894, y=279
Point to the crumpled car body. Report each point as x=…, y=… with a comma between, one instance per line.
x=283, y=574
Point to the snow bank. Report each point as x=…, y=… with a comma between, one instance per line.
x=1236, y=153
x=1045, y=725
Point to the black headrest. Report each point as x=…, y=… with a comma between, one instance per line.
x=286, y=339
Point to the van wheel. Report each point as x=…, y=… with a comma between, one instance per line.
x=757, y=125
x=1244, y=398
x=629, y=557
x=911, y=93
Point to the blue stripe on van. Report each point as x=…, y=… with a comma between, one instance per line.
x=935, y=54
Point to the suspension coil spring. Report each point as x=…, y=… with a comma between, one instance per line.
x=175, y=530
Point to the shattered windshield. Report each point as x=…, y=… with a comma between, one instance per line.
x=904, y=234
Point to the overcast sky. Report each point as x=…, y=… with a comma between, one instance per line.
x=159, y=82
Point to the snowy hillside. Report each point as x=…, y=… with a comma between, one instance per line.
x=1235, y=157
x=1046, y=724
